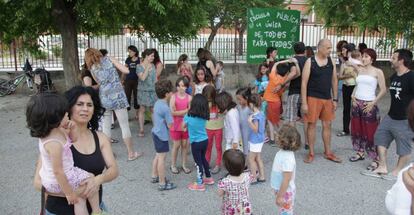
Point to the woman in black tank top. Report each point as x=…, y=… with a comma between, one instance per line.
x=90, y=150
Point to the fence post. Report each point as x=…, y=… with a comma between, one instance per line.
x=89, y=40
x=235, y=42
x=363, y=36
x=15, y=55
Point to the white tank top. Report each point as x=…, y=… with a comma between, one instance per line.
x=366, y=87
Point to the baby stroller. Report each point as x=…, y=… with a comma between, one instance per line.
x=43, y=81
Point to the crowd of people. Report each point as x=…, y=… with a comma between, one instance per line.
x=198, y=113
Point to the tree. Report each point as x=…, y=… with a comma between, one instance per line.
x=167, y=20
x=233, y=14
x=393, y=16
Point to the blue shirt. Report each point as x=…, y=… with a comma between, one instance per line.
x=161, y=118
x=196, y=128
x=258, y=137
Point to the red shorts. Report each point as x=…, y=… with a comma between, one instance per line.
x=179, y=135
x=273, y=111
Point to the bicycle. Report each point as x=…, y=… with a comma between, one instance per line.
x=8, y=87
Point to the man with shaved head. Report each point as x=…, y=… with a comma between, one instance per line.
x=319, y=92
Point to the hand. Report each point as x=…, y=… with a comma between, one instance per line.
x=92, y=186
x=293, y=60
x=277, y=88
x=335, y=105
x=72, y=198
x=279, y=201
x=368, y=107
x=354, y=101
x=304, y=108
x=408, y=179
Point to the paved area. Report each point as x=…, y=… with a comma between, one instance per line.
x=323, y=187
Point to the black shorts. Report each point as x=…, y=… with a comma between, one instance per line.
x=160, y=145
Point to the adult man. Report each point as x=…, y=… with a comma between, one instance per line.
x=395, y=126
x=319, y=98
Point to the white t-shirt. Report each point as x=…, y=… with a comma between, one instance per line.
x=284, y=162
x=398, y=199
x=232, y=126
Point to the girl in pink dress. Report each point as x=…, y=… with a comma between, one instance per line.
x=47, y=119
x=179, y=105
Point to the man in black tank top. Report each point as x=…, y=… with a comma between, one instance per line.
x=394, y=126
x=319, y=98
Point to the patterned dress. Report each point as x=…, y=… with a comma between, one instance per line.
x=146, y=88
x=111, y=92
x=236, y=195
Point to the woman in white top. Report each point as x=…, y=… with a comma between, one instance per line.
x=365, y=113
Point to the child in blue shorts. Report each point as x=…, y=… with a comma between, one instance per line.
x=162, y=120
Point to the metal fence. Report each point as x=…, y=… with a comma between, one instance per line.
x=226, y=45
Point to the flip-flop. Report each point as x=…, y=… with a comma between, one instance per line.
x=332, y=157
x=373, y=167
x=309, y=158
x=174, y=170
x=136, y=156
x=389, y=177
x=261, y=180
x=356, y=157
x=186, y=170
x=114, y=140
x=373, y=174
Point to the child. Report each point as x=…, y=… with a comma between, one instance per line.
x=284, y=167
x=257, y=127
x=262, y=79
x=179, y=105
x=47, y=119
x=185, y=69
x=214, y=127
x=234, y=188
x=195, y=121
x=162, y=120
x=272, y=96
x=220, y=77
x=227, y=106
x=201, y=79
x=242, y=94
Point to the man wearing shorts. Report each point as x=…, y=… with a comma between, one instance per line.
x=395, y=125
x=319, y=92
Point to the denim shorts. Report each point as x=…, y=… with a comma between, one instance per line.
x=161, y=146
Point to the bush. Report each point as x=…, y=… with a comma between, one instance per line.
x=57, y=51
x=42, y=55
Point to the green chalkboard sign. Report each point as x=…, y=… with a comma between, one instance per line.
x=271, y=27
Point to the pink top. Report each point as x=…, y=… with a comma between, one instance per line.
x=180, y=104
x=46, y=171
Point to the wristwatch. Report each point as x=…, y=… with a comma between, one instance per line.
x=335, y=100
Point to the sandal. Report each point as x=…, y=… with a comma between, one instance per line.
x=261, y=180
x=186, y=170
x=332, y=157
x=114, y=140
x=135, y=156
x=357, y=157
x=309, y=158
x=342, y=133
x=373, y=166
x=141, y=134
x=155, y=179
x=373, y=173
x=166, y=186
x=174, y=170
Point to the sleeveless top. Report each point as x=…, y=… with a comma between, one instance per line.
x=46, y=171
x=93, y=163
x=111, y=92
x=199, y=88
x=180, y=104
x=320, y=80
x=366, y=87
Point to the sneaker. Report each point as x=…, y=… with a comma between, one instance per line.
x=196, y=187
x=208, y=181
x=306, y=147
x=215, y=170
x=166, y=186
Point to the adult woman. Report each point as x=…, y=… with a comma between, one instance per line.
x=111, y=94
x=347, y=74
x=206, y=60
x=130, y=80
x=147, y=75
x=365, y=113
x=91, y=150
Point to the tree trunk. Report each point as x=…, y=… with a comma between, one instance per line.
x=214, y=29
x=241, y=34
x=65, y=21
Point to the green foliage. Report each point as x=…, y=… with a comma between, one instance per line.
x=57, y=51
x=393, y=16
